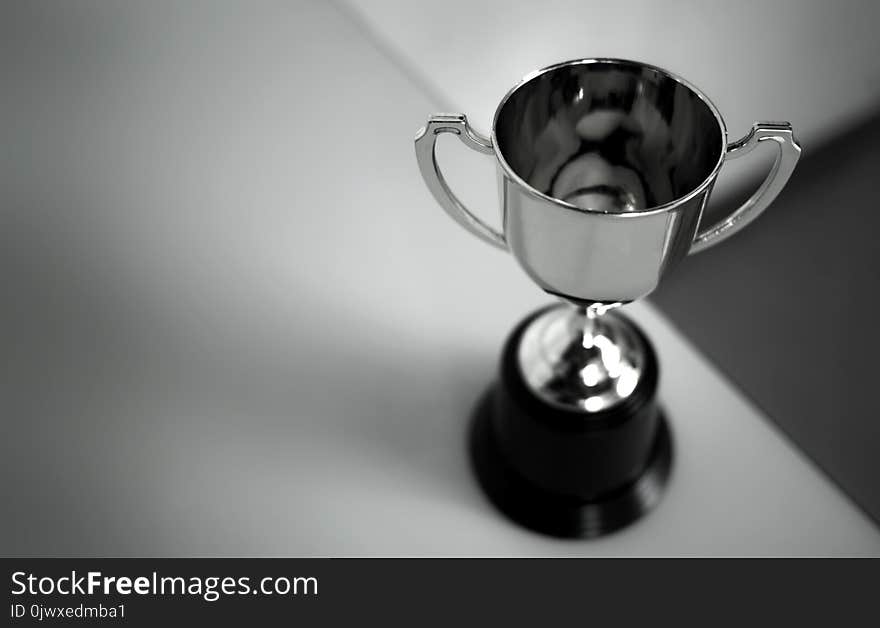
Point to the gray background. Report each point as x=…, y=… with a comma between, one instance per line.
x=171, y=237
x=790, y=312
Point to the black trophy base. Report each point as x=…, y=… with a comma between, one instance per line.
x=539, y=506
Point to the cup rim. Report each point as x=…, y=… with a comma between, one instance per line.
x=657, y=209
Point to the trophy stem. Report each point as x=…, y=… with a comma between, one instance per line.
x=590, y=315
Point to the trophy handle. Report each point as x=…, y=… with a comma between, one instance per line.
x=786, y=159
x=426, y=140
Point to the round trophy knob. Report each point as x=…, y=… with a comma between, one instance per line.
x=570, y=441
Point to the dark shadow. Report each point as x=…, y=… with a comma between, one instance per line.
x=789, y=309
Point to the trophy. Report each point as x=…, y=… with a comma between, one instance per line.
x=605, y=168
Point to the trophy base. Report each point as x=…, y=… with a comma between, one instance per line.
x=569, y=472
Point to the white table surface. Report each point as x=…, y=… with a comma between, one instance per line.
x=239, y=325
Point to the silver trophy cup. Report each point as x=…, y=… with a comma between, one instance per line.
x=605, y=170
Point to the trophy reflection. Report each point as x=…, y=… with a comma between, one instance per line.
x=606, y=167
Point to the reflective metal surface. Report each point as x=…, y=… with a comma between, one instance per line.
x=426, y=139
x=605, y=168
x=574, y=358
x=609, y=136
x=788, y=153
